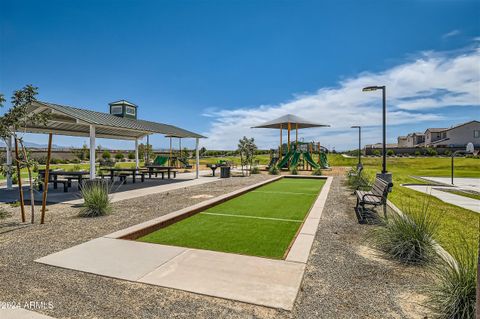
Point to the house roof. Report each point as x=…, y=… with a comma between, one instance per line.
x=435, y=130
x=283, y=121
x=73, y=121
x=462, y=124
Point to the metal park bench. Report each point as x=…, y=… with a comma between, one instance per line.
x=377, y=196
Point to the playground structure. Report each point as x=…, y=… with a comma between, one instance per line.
x=293, y=155
x=304, y=156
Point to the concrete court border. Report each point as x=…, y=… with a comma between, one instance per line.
x=250, y=279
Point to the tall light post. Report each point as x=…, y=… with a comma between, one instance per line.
x=384, y=175
x=359, y=145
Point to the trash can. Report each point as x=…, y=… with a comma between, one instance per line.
x=225, y=172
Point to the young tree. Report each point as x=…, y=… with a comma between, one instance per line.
x=14, y=122
x=246, y=150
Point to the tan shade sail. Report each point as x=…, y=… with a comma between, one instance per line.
x=294, y=121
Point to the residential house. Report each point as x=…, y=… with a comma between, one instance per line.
x=402, y=141
x=455, y=136
x=416, y=139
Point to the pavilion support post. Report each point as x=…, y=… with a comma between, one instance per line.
x=147, y=155
x=136, y=154
x=20, y=189
x=289, y=129
x=9, y=162
x=170, y=156
x=296, y=134
x=45, y=185
x=197, y=157
x=180, y=146
x=281, y=143
x=92, y=152
x=318, y=149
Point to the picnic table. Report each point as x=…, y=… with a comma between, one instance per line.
x=153, y=169
x=132, y=171
x=53, y=177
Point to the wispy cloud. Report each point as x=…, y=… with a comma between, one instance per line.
x=415, y=90
x=451, y=34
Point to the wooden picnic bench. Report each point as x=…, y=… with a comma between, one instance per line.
x=375, y=197
x=159, y=169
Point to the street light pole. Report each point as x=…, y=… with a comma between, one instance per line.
x=384, y=174
x=384, y=165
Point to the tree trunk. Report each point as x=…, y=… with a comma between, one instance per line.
x=30, y=179
x=19, y=174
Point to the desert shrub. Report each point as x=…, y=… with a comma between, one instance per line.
x=119, y=156
x=255, y=170
x=408, y=238
x=453, y=293
x=376, y=153
x=106, y=155
x=294, y=171
x=390, y=153
x=417, y=153
x=96, y=199
x=4, y=214
x=431, y=152
x=358, y=181
x=131, y=155
x=75, y=161
x=273, y=170
x=317, y=172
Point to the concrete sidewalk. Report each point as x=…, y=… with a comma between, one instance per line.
x=457, y=200
x=470, y=183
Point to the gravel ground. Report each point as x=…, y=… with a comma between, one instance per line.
x=343, y=279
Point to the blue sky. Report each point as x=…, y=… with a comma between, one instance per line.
x=219, y=67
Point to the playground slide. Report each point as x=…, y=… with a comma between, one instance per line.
x=295, y=158
x=285, y=159
x=308, y=158
x=160, y=160
x=323, y=160
x=185, y=163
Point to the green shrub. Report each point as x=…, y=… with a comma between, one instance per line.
x=273, y=170
x=294, y=171
x=408, y=238
x=255, y=170
x=431, y=152
x=131, y=155
x=376, y=153
x=447, y=153
x=106, y=155
x=361, y=181
x=417, y=153
x=96, y=199
x=317, y=172
x=4, y=214
x=453, y=292
x=119, y=156
x=75, y=161
x=390, y=153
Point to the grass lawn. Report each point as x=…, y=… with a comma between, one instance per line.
x=455, y=222
x=262, y=222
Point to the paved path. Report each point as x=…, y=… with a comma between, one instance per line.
x=21, y=313
x=457, y=200
x=463, y=182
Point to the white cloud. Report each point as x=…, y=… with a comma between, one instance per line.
x=414, y=90
x=451, y=34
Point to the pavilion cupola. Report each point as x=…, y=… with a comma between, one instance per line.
x=123, y=108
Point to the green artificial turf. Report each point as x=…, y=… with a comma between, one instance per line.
x=262, y=222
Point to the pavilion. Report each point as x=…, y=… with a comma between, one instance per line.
x=289, y=122
x=121, y=123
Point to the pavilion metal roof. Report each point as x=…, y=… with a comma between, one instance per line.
x=293, y=120
x=73, y=121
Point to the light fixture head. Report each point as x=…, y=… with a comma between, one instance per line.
x=370, y=88
x=355, y=126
